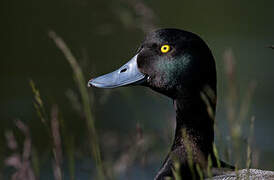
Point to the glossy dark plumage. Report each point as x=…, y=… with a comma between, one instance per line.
x=187, y=75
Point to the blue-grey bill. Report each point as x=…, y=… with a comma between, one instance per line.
x=126, y=75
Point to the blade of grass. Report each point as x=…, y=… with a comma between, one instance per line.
x=38, y=104
x=249, y=153
x=189, y=151
x=57, y=144
x=35, y=162
x=81, y=82
x=176, y=171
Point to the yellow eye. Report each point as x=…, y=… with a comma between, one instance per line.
x=165, y=48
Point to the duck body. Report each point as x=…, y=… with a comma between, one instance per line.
x=178, y=64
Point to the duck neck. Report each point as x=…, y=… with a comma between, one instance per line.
x=195, y=124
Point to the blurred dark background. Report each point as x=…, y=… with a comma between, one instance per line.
x=105, y=34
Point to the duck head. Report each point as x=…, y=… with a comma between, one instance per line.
x=169, y=61
x=180, y=65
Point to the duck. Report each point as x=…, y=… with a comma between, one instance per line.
x=180, y=65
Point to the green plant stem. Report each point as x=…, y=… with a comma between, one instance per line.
x=80, y=81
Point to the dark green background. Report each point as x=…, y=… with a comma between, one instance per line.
x=105, y=34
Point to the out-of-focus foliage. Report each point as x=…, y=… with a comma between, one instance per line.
x=134, y=137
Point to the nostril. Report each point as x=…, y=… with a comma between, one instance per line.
x=123, y=70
